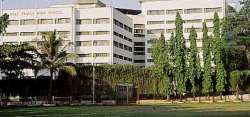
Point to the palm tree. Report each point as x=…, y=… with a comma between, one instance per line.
x=54, y=56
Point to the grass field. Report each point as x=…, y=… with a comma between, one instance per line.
x=183, y=110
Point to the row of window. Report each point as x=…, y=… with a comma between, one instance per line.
x=139, y=43
x=173, y=21
x=187, y=40
x=123, y=37
x=95, y=55
x=184, y=11
x=94, y=33
x=93, y=21
x=120, y=24
x=123, y=58
x=34, y=33
x=169, y=31
x=122, y=46
x=40, y=21
x=95, y=43
x=139, y=25
x=139, y=61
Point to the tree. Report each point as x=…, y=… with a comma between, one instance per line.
x=4, y=23
x=180, y=56
x=206, y=48
x=194, y=62
x=54, y=56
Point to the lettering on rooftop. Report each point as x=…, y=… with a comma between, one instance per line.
x=30, y=13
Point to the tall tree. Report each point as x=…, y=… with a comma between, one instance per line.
x=193, y=61
x=54, y=56
x=206, y=48
x=180, y=56
x=4, y=23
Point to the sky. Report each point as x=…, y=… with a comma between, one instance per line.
x=17, y=4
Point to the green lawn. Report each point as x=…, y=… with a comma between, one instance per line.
x=186, y=110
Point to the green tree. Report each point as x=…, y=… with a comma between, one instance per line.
x=206, y=48
x=4, y=23
x=180, y=56
x=194, y=62
x=54, y=56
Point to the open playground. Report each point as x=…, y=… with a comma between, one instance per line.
x=226, y=109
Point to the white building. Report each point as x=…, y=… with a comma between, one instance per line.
x=160, y=17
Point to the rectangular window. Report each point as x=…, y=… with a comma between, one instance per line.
x=116, y=56
x=155, y=31
x=187, y=30
x=13, y=22
x=84, y=33
x=121, y=24
x=116, y=34
x=85, y=55
x=116, y=44
x=45, y=21
x=139, y=53
x=83, y=43
x=156, y=12
x=10, y=43
x=101, y=43
x=213, y=10
x=210, y=29
x=116, y=22
x=150, y=60
x=120, y=45
x=63, y=21
x=120, y=57
x=174, y=11
x=139, y=26
x=101, y=32
x=139, y=61
x=28, y=22
x=63, y=32
x=27, y=33
x=169, y=31
x=209, y=20
x=139, y=43
x=170, y=22
x=194, y=10
x=130, y=49
x=149, y=50
x=139, y=49
x=126, y=47
x=120, y=35
x=155, y=22
x=139, y=35
x=101, y=21
x=11, y=34
x=139, y=31
x=84, y=21
x=101, y=54
x=194, y=21
x=43, y=33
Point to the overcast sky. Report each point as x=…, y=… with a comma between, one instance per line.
x=15, y=4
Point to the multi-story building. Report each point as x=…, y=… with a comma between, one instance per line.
x=160, y=17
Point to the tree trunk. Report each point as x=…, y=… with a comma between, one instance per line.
x=193, y=96
x=208, y=97
x=50, y=86
x=237, y=95
x=180, y=97
x=200, y=98
x=168, y=98
x=213, y=97
x=221, y=96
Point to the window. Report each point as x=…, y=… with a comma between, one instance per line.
x=194, y=21
x=126, y=58
x=139, y=43
x=83, y=43
x=169, y=31
x=63, y=21
x=10, y=43
x=28, y=22
x=116, y=22
x=210, y=29
x=128, y=39
x=156, y=12
x=43, y=33
x=150, y=60
x=101, y=43
x=85, y=55
x=116, y=44
x=120, y=45
x=213, y=10
x=121, y=24
x=63, y=32
x=101, y=54
x=149, y=50
x=13, y=22
x=101, y=32
x=32, y=43
x=155, y=31
x=126, y=47
x=139, y=31
x=101, y=21
x=130, y=49
x=116, y=34
x=170, y=22
x=187, y=30
x=84, y=21
x=155, y=22
x=139, y=53
x=45, y=21
x=120, y=57
x=139, y=61
x=139, y=35
x=116, y=56
x=27, y=33
x=139, y=49
x=120, y=35
x=194, y=10
x=174, y=11
x=11, y=34
x=209, y=20
x=139, y=26
x=84, y=33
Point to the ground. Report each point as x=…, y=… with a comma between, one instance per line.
x=228, y=109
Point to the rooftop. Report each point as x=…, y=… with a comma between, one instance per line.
x=89, y=2
x=151, y=0
x=129, y=11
